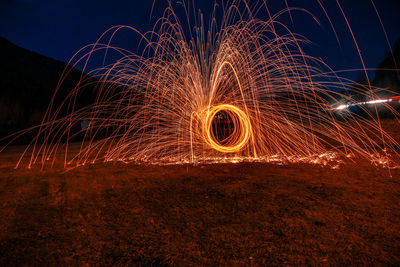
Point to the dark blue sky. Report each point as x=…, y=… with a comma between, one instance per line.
x=58, y=28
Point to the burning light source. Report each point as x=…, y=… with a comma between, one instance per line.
x=242, y=130
x=370, y=102
x=341, y=107
x=162, y=108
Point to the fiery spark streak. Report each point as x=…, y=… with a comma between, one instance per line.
x=162, y=108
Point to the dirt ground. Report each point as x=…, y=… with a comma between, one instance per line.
x=221, y=214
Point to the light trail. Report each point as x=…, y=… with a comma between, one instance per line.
x=370, y=102
x=164, y=108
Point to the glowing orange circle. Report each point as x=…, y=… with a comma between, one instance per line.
x=241, y=133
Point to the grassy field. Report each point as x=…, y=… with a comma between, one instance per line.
x=222, y=214
x=228, y=214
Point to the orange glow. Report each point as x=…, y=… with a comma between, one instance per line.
x=162, y=108
x=242, y=129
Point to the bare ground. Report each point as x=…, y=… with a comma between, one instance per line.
x=221, y=214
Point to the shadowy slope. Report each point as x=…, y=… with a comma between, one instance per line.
x=27, y=83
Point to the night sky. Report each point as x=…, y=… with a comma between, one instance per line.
x=58, y=28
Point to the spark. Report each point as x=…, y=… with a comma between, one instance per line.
x=164, y=108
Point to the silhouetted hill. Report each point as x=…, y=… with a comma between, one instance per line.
x=388, y=72
x=386, y=83
x=27, y=83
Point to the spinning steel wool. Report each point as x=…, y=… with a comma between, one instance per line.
x=242, y=91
